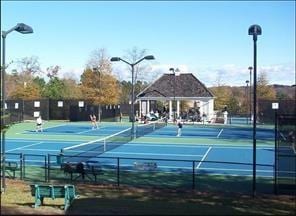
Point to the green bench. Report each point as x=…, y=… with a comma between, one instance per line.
x=53, y=191
x=11, y=167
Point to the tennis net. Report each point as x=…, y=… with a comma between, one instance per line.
x=84, y=151
x=144, y=129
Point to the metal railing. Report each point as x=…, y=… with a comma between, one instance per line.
x=46, y=168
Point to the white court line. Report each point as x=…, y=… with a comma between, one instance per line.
x=81, y=132
x=205, y=155
x=21, y=140
x=165, y=145
x=24, y=146
x=43, y=128
x=48, y=150
x=242, y=147
x=197, y=146
x=138, y=153
x=55, y=126
x=219, y=133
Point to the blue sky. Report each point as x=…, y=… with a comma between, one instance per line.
x=209, y=39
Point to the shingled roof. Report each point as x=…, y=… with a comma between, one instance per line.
x=187, y=86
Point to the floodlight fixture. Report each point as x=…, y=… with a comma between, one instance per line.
x=115, y=59
x=149, y=57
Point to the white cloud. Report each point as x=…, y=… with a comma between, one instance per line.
x=229, y=74
x=237, y=75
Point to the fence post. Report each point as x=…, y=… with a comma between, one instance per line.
x=193, y=175
x=275, y=152
x=24, y=166
x=118, y=175
x=21, y=166
x=47, y=167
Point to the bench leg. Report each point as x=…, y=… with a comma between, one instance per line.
x=8, y=173
x=38, y=201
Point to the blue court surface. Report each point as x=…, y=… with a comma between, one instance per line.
x=217, y=150
x=217, y=159
x=79, y=129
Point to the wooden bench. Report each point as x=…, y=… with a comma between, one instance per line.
x=11, y=166
x=83, y=170
x=147, y=166
x=53, y=191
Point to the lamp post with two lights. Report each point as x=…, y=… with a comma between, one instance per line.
x=148, y=57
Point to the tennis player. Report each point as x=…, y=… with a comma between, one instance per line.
x=39, y=124
x=93, y=120
x=180, y=125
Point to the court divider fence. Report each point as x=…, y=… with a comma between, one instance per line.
x=49, y=169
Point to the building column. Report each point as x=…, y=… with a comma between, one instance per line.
x=178, y=108
x=140, y=110
x=148, y=107
x=170, y=112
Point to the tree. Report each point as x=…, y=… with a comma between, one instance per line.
x=100, y=60
x=282, y=96
x=52, y=71
x=126, y=88
x=233, y=105
x=29, y=91
x=125, y=91
x=22, y=84
x=264, y=91
x=29, y=66
x=54, y=89
x=97, y=82
x=134, y=55
x=99, y=88
x=222, y=94
x=71, y=89
x=41, y=83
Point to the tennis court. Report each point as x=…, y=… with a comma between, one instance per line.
x=217, y=150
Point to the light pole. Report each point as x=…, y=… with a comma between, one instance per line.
x=254, y=30
x=148, y=57
x=95, y=69
x=24, y=29
x=246, y=92
x=174, y=106
x=250, y=68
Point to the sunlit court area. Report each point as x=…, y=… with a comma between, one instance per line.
x=148, y=108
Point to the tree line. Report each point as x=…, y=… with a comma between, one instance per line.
x=99, y=84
